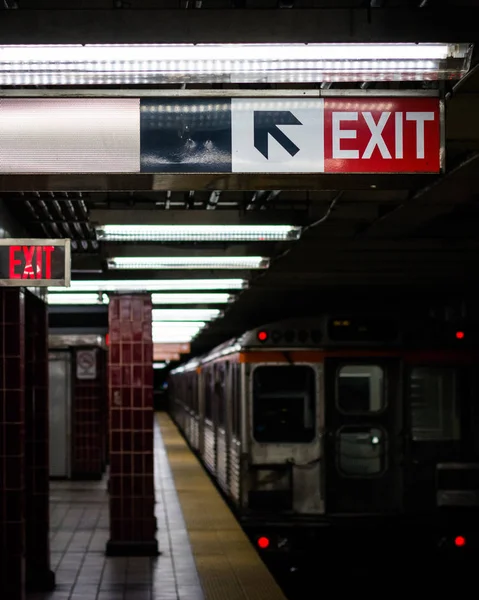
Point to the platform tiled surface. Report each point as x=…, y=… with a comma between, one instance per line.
x=205, y=554
x=79, y=532
x=228, y=565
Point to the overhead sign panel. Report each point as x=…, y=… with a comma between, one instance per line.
x=34, y=262
x=342, y=134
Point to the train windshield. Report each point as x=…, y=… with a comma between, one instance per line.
x=284, y=407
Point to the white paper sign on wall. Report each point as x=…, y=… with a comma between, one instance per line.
x=86, y=362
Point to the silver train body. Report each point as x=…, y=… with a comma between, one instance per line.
x=314, y=426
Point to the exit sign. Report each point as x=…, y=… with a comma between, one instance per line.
x=35, y=262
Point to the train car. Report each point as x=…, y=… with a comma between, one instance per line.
x=342, y=435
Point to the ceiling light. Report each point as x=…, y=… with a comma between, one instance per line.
x=159, y=365
x=163, y=331
x=178, y=324
x=198, y=233
x=78, y=299
x=175, y=333
x=180, y=262
x=191, y=298
x=152, y=285
x=178, y=337
x=99, y=64
x=186, y=314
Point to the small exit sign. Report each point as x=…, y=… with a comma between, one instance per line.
x=35, y=262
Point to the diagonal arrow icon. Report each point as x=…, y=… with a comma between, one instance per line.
x=266, y=123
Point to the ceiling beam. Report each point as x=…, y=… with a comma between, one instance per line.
x=236, y=26
x=194, y=217
x=194, y=250
x=112, y=182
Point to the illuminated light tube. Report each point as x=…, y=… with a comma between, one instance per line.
x=200, y=314
x=178, y=338
x=178, y=324
x=159, y=365
x=180, y=262
x=175, y=335
x=78, y=299
x=198, y=233
x=175, y=332
x=99, y=64
x=152, y=285
x=159, y=299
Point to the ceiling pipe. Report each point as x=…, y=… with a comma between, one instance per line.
x=213, y=200
x=261, y=198
x=32, y=210
x=83, y=210
x=51, y=221
x=64, y=223
x=190, y=200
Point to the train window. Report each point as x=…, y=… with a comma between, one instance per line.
x=434, y=404
x=360, y=389
x=207, y=392
x=220, y=395
x=361, y=450
x=284, y=407
x=235, y=399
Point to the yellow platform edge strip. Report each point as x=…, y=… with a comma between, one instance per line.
x=228, y=566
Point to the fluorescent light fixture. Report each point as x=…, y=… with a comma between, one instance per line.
x=179, y=337
x=177, y=324
x=159, y=365
x=200, y=314
x=151, y=285
x=114, y=64
x=185, y=262
x=175, y=332
x=197, y=233
x=159, y=299
x=77, y=299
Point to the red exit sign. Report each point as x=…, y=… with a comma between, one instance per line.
x=382, y=135
x=33, y=262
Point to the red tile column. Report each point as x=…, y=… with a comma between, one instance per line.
x=12, y=444
x=38, y=574
x=130, y=369
x=89, y=397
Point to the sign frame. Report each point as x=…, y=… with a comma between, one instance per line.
x=197, y=97
x=81, y=372
x=63, y=242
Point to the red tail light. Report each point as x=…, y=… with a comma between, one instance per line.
x=460, y=541
x=263, y=542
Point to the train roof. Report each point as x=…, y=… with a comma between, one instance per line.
x=308, y=333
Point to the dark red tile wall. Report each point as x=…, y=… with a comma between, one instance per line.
x=12, y=444
x=90, y=403
x=130, y=370
x=38, y=573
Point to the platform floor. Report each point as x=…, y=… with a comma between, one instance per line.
x=204, y=553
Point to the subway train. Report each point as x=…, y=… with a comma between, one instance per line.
x=341, y=436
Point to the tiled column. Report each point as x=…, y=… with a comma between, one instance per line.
x=12, y=445
x=38, y=573
x=89, y=396
x=132, y=497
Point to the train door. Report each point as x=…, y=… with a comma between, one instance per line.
x=209, y=427
x=220, y=390
x=363, y=448
x=201, y=411
x=441, y=465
